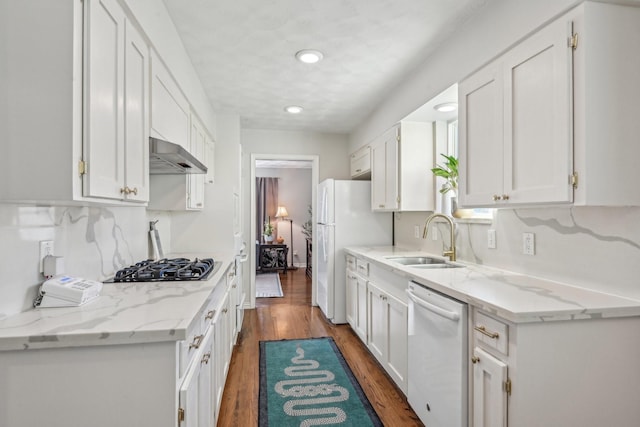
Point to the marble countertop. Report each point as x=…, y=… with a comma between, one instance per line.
x=124, y=313
x=516, y=297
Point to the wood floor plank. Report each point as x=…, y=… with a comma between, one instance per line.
x=292, y=317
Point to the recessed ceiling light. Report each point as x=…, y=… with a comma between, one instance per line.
x=447, y=107
x=309, y=56
x=293, y=109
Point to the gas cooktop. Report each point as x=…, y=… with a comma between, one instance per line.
x=167, y=269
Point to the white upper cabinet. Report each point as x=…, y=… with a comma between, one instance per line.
x=554, y=119
x=195, y=182
x=116, y=105
x=606, y=94
x=360, y=163
x=76, y=130
x=516, y=125
x=401, y=178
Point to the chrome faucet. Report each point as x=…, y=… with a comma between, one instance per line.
x=452, y=252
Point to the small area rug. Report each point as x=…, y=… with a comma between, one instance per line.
x=308, y=382
x=268, y=285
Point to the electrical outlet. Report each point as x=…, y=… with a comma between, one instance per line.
x=46, y=248
x=491, y=238
x=434, y=232
x=416, y=231
x=528, y=243
x=295, y=253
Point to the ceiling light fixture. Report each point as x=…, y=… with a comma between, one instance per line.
x=447, y=107
x=293, y=109
x=309, y=56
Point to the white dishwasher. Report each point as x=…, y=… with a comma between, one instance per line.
x=437, y=375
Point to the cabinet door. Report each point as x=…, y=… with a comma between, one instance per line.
x=195, y=399
x=384, y=172
x=352, y=299
x=378, y=175
x=361, y=319
x=195, y=187
x=104, y=88
x=221, y=360
x=538, y=117
x=489, y=398
x=136, y=106
x=397, y=362
x=481, y=147
x=377, y=331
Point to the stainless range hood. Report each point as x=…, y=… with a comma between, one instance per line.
x=167, y=158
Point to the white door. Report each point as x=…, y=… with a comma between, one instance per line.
x=104, y=89
x=481, y=146
x=489, y=398
x=352, y=299
x=397, y=326
x=136, y=106
x=361, y=320
x=538, y=117
x=378, y=327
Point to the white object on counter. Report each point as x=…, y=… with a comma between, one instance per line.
x=66, y=291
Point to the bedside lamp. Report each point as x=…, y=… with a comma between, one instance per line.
x=282, y=214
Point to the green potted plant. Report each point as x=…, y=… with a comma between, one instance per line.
x=448, y=171
x=267, y=232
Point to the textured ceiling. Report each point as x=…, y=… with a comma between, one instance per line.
x=243, y=51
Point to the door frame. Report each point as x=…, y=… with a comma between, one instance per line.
x=315, y=161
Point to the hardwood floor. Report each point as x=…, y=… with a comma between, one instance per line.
x=293, y=317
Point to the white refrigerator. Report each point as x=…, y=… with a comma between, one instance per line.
x=344, y=219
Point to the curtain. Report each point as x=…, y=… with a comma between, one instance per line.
x=266, y=202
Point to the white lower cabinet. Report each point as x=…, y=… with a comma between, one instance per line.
x=489, y=397
x=387, y=338
x=561, y=373
x=357, y=304
x=221, y=349
x=197, y=389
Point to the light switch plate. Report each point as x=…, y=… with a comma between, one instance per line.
x=528, y=243
x=46, y=248
x=434, y=232
x=416, y=231
x=491, y=238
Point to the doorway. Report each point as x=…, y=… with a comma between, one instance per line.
x=276, y=162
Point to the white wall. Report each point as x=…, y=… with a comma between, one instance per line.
x=95, y=242
x=294, y=193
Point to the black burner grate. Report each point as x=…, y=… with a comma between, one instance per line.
x=166, y=270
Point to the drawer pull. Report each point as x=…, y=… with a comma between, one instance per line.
x=196, y=342
x=205, y=358
x=210, y=315
x=483, y=330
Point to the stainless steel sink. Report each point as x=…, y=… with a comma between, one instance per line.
x=416, y=260
x=422, y=262
x=442, y=265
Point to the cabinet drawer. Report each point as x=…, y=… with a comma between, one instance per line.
x=362, y=267
x=201, y=325
x=351, y=263
x=492, y=333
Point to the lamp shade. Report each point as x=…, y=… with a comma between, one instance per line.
x=282, y=212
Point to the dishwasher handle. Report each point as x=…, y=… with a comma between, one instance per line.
x=451, y=315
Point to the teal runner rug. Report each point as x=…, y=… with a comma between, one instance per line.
x=307, y=382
